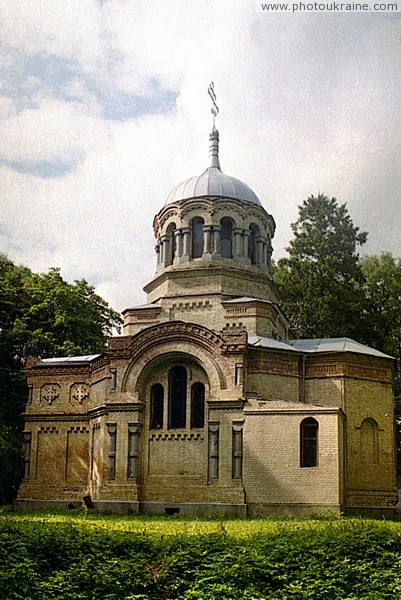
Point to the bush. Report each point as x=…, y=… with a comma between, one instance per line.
x=91, y=557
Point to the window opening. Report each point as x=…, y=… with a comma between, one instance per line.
x=133, y=450
x=197, y=405
x=226, y=239
x=252, y=245
x=112, y=430
x=197, y=238
x=27, y=453
x=177, y=398
x=309, y=432
x=156, y=406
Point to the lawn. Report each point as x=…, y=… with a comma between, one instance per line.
x=84, y=555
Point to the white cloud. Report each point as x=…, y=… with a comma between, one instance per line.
x=308, y=103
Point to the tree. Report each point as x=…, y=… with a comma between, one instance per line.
x=321, y=280
x=383, y=294
x=40, y=315
x=383, y=301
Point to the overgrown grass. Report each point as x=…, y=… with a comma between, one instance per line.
x=86, y=556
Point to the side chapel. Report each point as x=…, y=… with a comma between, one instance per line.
x=205, y=404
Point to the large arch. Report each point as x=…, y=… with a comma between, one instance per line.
x=163, y=342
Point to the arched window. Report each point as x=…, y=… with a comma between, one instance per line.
x=309, y=432
x=252, y=246
x=197, y=237
x=369, y=443
x=197, y=405
x=171, y=245
x=156, y=406
x=226, y=238
x=177, y=398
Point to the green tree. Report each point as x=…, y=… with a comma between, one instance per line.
x=383, y=293
x=40, y=315
x=383, y=304
x=321, y=280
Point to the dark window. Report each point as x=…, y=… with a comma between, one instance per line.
x=27, y=452
x=197, y=238
x=112, y=429
x=171, y=245
x=226, y=239
x=156, y=406
x=252, y=246
x=309, y=431
x=197, y=405
x=237, y=443
x=177, y=398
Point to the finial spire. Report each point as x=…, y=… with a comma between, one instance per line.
x=214, y=135
x=213, y=97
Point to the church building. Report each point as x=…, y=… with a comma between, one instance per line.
x=205, y=405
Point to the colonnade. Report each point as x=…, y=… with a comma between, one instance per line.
x=243, y=246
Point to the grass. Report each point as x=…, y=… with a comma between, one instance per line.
x=81, y=554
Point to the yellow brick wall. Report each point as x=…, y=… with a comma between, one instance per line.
x=272, y=471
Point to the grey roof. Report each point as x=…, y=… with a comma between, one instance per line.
x=213, y=182
x=245, y=299
x=60, y=360
x=265, y=342
x=317, y=345
x=142, y=307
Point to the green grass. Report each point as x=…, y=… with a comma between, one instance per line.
x=83, y=555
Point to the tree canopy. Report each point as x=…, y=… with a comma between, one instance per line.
x=40, y=315
x=321, y=280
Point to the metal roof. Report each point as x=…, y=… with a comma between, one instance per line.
x=317, y=345
x=69, y=359
x=213, y=182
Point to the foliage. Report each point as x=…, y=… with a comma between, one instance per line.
x=122, y=558
x=40, y=315
x=382, y=289
x=321, y=280
x=383, y=298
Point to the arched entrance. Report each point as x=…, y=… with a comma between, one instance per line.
x=174, y=439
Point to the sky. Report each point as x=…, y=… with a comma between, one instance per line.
x=104, y=108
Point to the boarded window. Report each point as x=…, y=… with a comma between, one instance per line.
x=369, y=442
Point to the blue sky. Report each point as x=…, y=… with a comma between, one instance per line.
x=104, y=108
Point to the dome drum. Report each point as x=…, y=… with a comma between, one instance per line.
x=219, y=231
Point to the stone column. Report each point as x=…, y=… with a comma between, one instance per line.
x=179, y=244
x=237, y=449
x=186, y=253
x=158, y=257
x=260, y=240
x=134, y=430
x=216, y=241
x=237, y=233
x=269, y=255
x=214, y=450
x=207, y=237
x=245, y=239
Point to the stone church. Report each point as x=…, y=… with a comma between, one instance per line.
x=205, y=404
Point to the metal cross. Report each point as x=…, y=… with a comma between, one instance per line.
x=213, y=97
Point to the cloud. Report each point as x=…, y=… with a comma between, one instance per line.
x=103, y=109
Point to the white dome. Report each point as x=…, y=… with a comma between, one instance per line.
x=212, y=182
